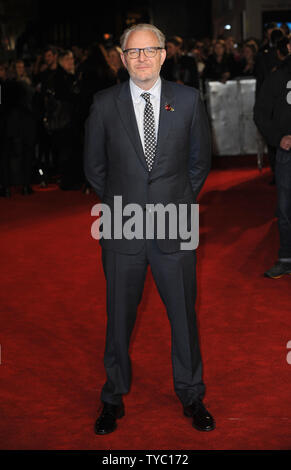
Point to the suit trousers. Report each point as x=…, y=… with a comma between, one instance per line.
x=175, y=278
x=283, y=184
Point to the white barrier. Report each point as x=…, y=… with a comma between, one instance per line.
x=230, y=108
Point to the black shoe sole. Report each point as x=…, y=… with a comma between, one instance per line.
x=102, y=432
x=277, y=277
x=198, y=428
x=204, y=429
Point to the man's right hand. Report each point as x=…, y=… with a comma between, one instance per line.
x=285, y=143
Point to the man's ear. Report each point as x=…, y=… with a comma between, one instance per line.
x=289, y=47
x=163, y=55
x=123, y=59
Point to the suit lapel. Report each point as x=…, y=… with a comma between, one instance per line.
x=127, y=115
x=165, y=118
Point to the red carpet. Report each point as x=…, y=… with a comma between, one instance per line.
x=53, y=327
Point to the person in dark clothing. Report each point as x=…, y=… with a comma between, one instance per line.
x=43, y=79
x=267, y=61
x=247, y=63
x=18, y=129
x=118, y=129
x=272, y=115
x=233, y=56
x=95, y=74
x=282, y=49
x=218, y=66
x=44, y=74
x=178, y=67
x=266, y=44
x=4, y=190
x=61, y=121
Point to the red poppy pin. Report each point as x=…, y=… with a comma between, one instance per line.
x=168, y=107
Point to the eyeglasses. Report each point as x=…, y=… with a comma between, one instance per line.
x=149, y=52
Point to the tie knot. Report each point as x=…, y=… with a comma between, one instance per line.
x=146, y=97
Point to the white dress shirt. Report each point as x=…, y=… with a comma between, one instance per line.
x=139, y=105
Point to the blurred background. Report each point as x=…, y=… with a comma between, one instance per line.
x=28, y=25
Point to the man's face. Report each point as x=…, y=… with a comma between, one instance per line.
x=143, y=71
x=68, y=63
x=19, y=66
x=172, y=50
x=218, y=49
x=247, y=52
x=49, y=58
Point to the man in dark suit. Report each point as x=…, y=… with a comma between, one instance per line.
x=272, y=115
x=147, y=140
x=267, y=61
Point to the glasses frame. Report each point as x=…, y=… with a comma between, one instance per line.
x=144, y=49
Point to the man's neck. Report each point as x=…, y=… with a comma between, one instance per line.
x=145, y=85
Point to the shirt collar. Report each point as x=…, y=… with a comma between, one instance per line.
x=137, y=91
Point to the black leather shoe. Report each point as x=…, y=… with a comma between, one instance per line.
x=106, y=422
x=202, y=419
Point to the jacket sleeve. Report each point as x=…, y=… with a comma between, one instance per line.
x=95, y=162
x=263, y=112
x=200, y=148
x=260, y=70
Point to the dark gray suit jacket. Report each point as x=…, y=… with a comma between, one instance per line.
x=114, y=161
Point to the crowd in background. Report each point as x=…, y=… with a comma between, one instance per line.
x=45, y=101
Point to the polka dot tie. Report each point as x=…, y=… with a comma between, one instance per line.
x=149, y=131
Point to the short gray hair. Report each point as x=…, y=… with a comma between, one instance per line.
x=142, y=27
